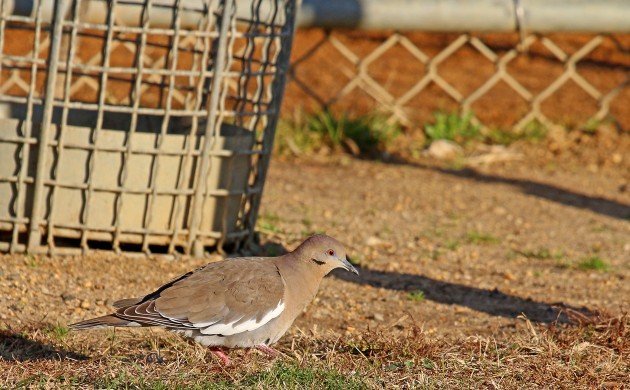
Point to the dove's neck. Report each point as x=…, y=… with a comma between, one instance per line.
x=302, y=281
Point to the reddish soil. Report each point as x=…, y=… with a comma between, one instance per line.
x=449, y=258
x=451, y=262
x=397, y=70
x=484, y=246
x=320, y=72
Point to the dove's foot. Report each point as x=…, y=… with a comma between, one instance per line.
x=218, y=352
x=267, y=350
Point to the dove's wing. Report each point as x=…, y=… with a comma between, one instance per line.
x=222, y=298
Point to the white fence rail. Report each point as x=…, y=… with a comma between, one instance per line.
x=530, y=23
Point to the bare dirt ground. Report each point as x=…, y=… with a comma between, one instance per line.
x=475, y=278
x=467, y=239
x=508, y=276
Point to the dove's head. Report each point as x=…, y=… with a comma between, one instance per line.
x=325, y=253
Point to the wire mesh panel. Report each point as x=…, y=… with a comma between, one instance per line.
x=566, y=79
x=141, y=126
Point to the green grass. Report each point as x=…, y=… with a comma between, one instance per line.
x=289, y=375
x=457, y=164
x=433, y=233
x=373, y=134
x=58, y=331
x=593, y=124
x=435, y=254
x=398, y=366
x=267, y=223
x=312, y=232
x=593, y=263
x=356, y=260
x=270, y=217
x=360, y=135
x=31, y=261
x=282, y=375
x=542, y=254
x=428, y=363
x=307, y=222
x=309, y=230
x=416, y=296
x=452, y=244
x=460, y=128
x=533, y=131
x=477, y=237
x=374, y=358
x=124, y=380
x=452, y=126
x=601, y=228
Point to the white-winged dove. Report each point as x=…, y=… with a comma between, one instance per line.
x=239, y=302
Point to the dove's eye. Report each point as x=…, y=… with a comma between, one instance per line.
x=331, y=252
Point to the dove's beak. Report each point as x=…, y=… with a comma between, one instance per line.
x=348, y=266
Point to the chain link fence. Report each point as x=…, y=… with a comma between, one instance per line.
x=507, y=81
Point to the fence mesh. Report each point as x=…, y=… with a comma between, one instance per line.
x=138, y=126
x=555, y=79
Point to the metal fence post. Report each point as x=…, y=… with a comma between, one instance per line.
x=211, y=132
x=270, y=130
x=34, y=238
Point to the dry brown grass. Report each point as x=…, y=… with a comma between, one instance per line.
x=590, y=352
x=448, y=261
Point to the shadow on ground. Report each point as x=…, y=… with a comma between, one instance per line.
x=493, y=302
x=550, y=192
x=16, y=347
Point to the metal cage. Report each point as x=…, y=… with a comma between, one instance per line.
x=139, y=126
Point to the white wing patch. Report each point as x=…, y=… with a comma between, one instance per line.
x=246, y=326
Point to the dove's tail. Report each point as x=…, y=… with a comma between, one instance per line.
x=101, y=322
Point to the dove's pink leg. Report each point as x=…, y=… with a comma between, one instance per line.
x=218, y=352
x=267, y=350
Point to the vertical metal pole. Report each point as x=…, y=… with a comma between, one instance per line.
x=210, y=131
x=283, y=63
x=34, y=238
x=133, y=127
x=65, y=86
x=189, y=147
